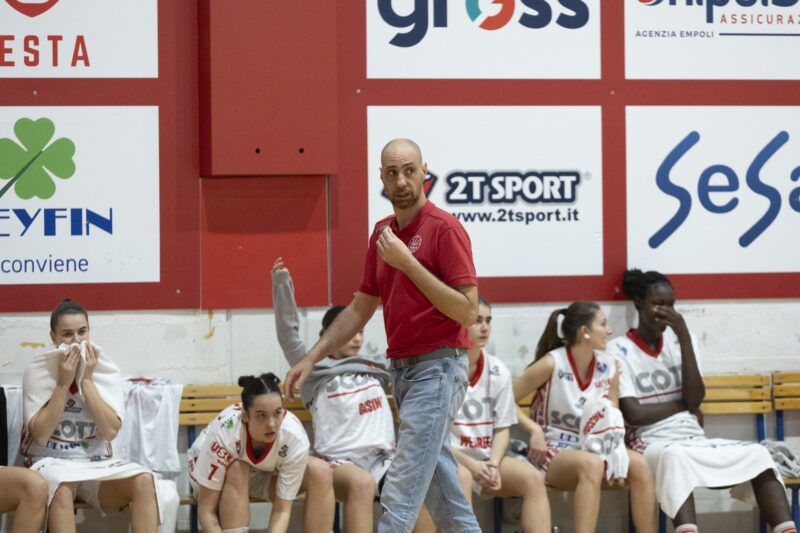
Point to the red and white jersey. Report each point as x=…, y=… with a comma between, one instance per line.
x=651, y=376
x=75, y=438
x=352, y=419
x=488, y=405
x=226, y=439
x=558, y=405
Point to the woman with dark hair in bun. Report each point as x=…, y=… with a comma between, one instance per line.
x=576, y=431
x=256, y=448
x=661, y=390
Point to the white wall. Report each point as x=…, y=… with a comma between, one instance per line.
x=217, y=347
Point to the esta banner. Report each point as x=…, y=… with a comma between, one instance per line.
x=78, y=39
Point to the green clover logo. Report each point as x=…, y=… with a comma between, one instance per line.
x=30, y=167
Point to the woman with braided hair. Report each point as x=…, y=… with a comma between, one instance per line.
x=257, y=448
x=661, y=389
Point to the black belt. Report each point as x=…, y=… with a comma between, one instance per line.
x=441, y=353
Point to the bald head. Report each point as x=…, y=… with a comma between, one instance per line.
x=398, y=143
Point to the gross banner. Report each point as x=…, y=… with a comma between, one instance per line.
x=512, y=39
x=79, y=39
x=713, y=189
x=716, y=39
x=79, y=195
x=526, y=182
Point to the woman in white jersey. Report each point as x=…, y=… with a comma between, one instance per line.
x=25, y=493
x=481, y=432
x=258, y=449
x=72, y=408
x=568, y=372
x=661, y=390
x=351, y=416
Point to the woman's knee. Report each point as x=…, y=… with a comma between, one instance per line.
x=591, y=468
x=237, y=475
x=36, y=489
x=143, y=486
x=638, y=469
x=318, y=474
x=63, y=497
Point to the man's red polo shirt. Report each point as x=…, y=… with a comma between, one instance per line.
x=413, y=325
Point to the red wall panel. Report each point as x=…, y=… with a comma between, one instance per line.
x=268, y=87
x=247, y=223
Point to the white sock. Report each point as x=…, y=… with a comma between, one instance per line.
x=786, y=527
x=236, y=530
x=686, y=528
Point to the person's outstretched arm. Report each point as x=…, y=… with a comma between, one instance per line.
x=285, y=307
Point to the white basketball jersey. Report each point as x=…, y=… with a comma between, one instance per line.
x=352, y=419
x=488, y=405
x=226, y=439
x=558, y=405
x=651, y=376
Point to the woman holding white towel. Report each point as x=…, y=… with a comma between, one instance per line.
x=568, y=373
x=73, y=408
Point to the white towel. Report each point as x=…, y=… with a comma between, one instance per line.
x=682, y=459
x=603, y=433
x=149, y=435
x=41, y=376
x=58, y=471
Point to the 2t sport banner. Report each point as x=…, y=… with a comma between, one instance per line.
x=78, y=39
x=526, y=182
x=713, y=189
x=491, y=39
x=79, y=195
x=712, y=39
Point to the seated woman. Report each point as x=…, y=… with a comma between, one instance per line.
x=570, y=371
x=660, y=394
x=25, y=493
x=72, y=408
x=351, y=416
x=258, y=449
x=481, y=432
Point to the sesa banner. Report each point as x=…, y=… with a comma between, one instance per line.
x=78, y=39
x=712, y=39
x=511, y=39
x=79, y=195
x=713, y=189
x=526, y=182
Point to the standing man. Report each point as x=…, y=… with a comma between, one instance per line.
x=419, y=264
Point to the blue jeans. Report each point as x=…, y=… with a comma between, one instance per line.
x=428, y=396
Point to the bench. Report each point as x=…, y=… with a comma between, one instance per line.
x=786, y=394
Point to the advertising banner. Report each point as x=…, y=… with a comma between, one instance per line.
x=79, y=195
x=713, y=189
x=715, y=39
x=526, y=182
x=78, y=39
x=483, y=39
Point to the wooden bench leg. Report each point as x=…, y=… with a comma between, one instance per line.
x=795, y=505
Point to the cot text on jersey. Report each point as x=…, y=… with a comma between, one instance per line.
x=717, y=197
x=659, y=380
x=532, y=14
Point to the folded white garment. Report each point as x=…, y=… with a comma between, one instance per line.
x=603, y=433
